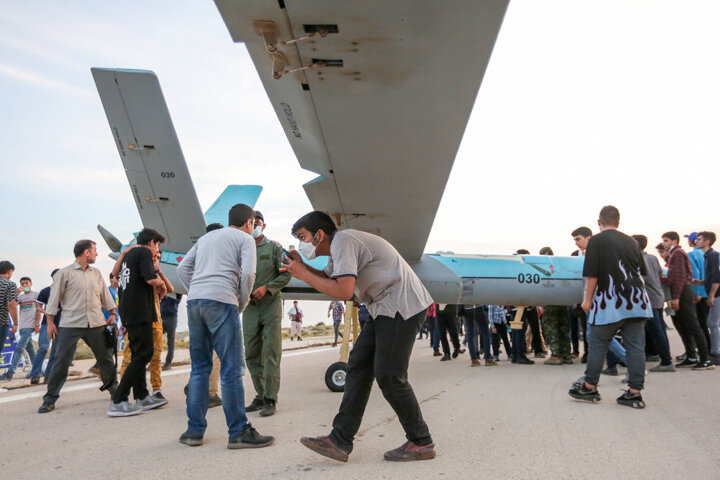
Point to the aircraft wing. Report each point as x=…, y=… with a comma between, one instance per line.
x=150, y=152
x=381, y=111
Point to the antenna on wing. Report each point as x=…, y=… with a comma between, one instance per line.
x=111, y=240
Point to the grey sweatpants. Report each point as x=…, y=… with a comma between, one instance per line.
x=599, y=338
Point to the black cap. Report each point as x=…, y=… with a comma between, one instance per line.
x=259, y=215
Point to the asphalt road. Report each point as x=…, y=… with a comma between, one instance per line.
x=507, y=422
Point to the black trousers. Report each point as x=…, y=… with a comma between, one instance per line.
x=501, y=334
x=688, y=327
x=533, y=321
x=702, y=311
x=382, y=353
x=141, y=348
x=448, y=324
x=170, y=326
x=64, y=349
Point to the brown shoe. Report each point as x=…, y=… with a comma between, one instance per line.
x=409, y=452
x=490, y=363
x=475, y=363
x=437, y=354
x=553, y=361
x=325, y=446
x=94, y=371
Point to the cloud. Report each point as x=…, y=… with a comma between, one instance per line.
x=45, y=82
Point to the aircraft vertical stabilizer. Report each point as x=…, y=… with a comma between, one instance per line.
x=233, y=194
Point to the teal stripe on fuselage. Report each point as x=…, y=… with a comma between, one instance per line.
x=503, y=266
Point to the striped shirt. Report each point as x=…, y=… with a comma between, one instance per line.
x=8, y=293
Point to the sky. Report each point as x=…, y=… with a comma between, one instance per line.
x=583, y=104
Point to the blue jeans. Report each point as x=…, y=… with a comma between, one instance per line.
x=24, y=343
x=472, y=335
x=216, y=325
x=657, y=329
x=43, y=346
x=435, y=335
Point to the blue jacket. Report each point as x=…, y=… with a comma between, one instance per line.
x=697, y=261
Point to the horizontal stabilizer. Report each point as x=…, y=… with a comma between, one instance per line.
x=111, y=240
x=233, y=194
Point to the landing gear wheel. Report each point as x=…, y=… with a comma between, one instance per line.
x=335, y=376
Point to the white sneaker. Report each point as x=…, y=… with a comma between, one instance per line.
x=123, y=409
x=150, y=402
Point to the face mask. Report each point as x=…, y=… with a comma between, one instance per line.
x=257, y=232
x=308, y=249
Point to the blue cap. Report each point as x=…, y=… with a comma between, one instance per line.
x=692, y=237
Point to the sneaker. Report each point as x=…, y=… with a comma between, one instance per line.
x=652, y=358
x=6, y=376
x=250, y=438
x=490, y=362
x=256, y=405
x=496, y=358
x=568, y=361
x=150, y=402
x=191, y=439
x=583, y=359
x=630, y=399
x=269, y=408
x=613, y=372
x=553, y=360
x=159, y=396
x=409, y=451
x=437, y=354
x=680, y=358
x=445, y=357
x=706, y=365
x=582, y=393
x=475, y=363
x=124, y=409
x=687, y=363
x=326, y=447
x=34, y=380
x=663, y=368
x=299, y=339
x=166, y=367
x=46, y=407
x=214, y=401
x=457, y=352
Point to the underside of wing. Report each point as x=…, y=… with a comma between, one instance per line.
x=382, y=107
x=151, y=155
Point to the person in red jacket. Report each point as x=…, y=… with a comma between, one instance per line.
x=679, y=278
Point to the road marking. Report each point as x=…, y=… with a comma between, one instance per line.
x=96, y=384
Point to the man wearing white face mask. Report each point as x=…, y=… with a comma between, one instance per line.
x=262, y=322
x=364, y=265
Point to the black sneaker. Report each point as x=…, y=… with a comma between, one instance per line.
x=706, y=365
x=159, y=396
x=269, y=408
x=583, y=359
x=687, y=363
x=525, y=361
x=610, y=371
x=191, y=439
x=630, y=399
x=250, y=438
x=299, y=339
x=6, y=376
x=256, y=405
x=582, y=393
x=445, y=357
x=46, y=407
x=34, y=380
x=166, y=367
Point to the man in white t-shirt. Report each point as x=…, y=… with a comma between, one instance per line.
x=365, y=266
x=28, y=323
x=296, y=316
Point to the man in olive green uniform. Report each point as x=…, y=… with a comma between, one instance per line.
x=262, y=322
x=556, y=328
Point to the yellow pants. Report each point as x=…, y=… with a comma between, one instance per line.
x=155, y=363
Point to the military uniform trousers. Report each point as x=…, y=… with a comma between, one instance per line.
x=556, y=327
x=262, y=332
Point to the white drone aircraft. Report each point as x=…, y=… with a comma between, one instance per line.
x=374, y=97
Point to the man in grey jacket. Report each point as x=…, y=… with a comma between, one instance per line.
x=218, y=273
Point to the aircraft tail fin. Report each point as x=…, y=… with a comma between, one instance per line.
x=111, y=240
x=233, y=194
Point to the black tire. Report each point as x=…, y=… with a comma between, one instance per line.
x=335, y=376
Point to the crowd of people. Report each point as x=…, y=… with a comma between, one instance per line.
x=236, y=269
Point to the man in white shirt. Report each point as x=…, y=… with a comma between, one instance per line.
x=296, y=317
